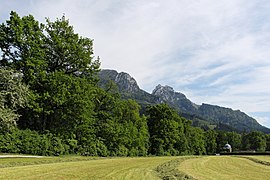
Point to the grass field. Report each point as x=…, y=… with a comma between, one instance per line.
x=261, y=158
x=77, y=167
x=225, y=167
x=115, y=168
x=23, y=161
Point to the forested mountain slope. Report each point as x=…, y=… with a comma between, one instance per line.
x=201, y=115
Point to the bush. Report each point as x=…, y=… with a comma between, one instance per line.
x=122, y=151
x=71, y=146
x=30, y=142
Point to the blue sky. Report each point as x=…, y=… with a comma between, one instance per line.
x=215, y=52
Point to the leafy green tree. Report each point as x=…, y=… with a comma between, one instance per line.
x=37, y=49
x=57, y=65
x=196, y=141
x=166, y=131
x=22, y=47
x=267, y=142
x=31, y=142
x=120, y=126
x=235, y=140
x=254, y=140
x=65, y=104
x=13, y=95
x=68, y=52
x=210, y=141
x=135, y=132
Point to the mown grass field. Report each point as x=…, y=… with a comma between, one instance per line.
x=261, y=158
x=76, y=167
x=225, y=167
x=115, y=168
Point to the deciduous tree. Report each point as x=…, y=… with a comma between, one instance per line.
x=13, y=95
x=58, y=66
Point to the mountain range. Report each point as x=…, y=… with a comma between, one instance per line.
x=206, y=116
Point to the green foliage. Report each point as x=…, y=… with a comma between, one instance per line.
x=13, y=95
x=235, y=140
x=267, y=142
x=230, y=120
x=57, y=65
x=166, y=131
x=67, y=51
x=30, y=142
x=64, y=105
x=196, y=141
x=120, y=126
x=21, y=45
x=38, y=49
x=8, y=120
x=254, y=141
x=210, y=142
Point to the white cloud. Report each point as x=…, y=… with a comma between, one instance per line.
x=265, y=121
x=213, y=51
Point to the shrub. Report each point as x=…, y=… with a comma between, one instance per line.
x=30, y=142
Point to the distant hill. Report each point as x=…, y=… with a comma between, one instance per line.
x=206, y=116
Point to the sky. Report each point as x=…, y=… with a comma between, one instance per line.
x=215, y=52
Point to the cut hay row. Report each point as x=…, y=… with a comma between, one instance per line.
x=169, y=170
x=264, y=160
x=261, y=158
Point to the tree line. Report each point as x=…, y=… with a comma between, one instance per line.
x=51, y=103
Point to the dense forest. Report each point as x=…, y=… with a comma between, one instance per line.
x=51, y=103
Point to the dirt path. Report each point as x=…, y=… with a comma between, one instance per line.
x=19, y=156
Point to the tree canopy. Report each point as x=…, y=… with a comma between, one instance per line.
x=58, y=66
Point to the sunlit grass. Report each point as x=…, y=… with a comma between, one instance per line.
x=111, y=168
x=261, y=158
x=23, y=161
x=78, y=167
x=224, y=167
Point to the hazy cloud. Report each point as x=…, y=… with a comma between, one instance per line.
x=214, y=51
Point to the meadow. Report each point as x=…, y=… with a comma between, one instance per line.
x=185, y=167
x=82, y=168
x=226, y=167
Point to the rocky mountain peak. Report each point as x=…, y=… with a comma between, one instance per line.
x=159, y=89
x=127, y=82
x=167, y=93
x=123, y=80
x=175, y=99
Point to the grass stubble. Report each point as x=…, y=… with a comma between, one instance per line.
x=77, y=167
x=80, y=168
x=225, y=167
